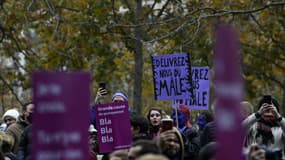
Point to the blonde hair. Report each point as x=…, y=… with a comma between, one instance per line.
x=6, y=141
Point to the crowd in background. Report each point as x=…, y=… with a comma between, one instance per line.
x=193, y=137
x=160, y=136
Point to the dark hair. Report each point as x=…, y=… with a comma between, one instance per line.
x=24, y=107
x=263, y=100
x=147, y=147
x=139, y=121
x=153, y=109
x=208, y=116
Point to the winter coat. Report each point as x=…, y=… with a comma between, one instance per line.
x=16, y=130
x=25, y=144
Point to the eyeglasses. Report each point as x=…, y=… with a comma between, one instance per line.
x=155, y=115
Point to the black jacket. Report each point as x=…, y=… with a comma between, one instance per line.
x=208, y=134
x=25, y=144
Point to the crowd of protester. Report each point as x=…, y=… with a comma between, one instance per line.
x=184, y=138
x=194, y=138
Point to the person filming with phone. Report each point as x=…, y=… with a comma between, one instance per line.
x=266, y=128
x=182, y=118
x=170, y=141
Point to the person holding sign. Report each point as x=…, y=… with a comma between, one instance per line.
x=119, y=97
x=191, y=137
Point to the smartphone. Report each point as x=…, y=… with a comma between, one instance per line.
x=102, y=85
x=267, y=99
x=166, y=124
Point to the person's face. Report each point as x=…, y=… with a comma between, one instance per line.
x=171, y=147
x=118, y=99
x=133, y=152
x=29, y=110
x=155, y=118
x=9, y=120
x=269, y=115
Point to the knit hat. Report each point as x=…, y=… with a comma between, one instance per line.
x=12, y=113
x=121, y=95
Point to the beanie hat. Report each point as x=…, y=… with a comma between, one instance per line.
x=12, y=113
x=274, y=101
x=121, y=95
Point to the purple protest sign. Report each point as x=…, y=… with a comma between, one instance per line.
x=60, y=120
x=201, y=83
x=113, y=125
x=172, y=76
x=229, y=93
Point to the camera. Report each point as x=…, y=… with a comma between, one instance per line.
x=272, y=154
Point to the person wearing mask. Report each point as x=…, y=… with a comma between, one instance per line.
x=15, y=130
x=10, y=117
x=154, y=117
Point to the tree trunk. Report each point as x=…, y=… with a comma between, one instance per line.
x=138, y=69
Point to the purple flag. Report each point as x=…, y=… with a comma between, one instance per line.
x=113, y=125
x=201, y=83
x=60, y=121
x=229, y=93
x=172, y=76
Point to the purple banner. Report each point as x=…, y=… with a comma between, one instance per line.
x=201, y=83
x=229, y=93
x=60, y=120
x=113, y=125
x=172, y=76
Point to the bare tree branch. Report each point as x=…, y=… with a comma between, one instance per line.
x=128, y=5
x=190, y=40
x=151, y=8
x=68, y=8
x=162, y=9
x=51, y=7
x=31, y=4
x=11, y=89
